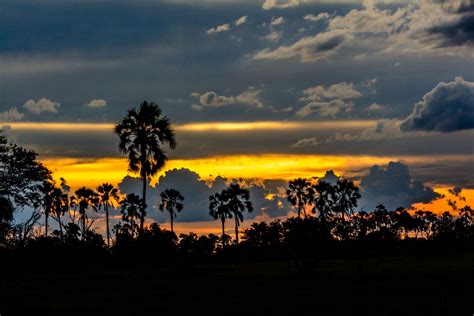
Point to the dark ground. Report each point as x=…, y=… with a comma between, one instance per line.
x=400, y=285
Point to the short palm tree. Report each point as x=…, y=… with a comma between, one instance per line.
x=346, y=196
x=59, y=206
x=131, y=209
x=323, y=199
x=299, y=194
x=171, y=201
x=143, y=132
x=108, y=196
x=237, y=200
x=218, y=209
x=84, y=199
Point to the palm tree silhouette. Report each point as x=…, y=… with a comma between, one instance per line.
x=237, y=201
x=323, y=199
x=85, y=198
x=171, y=201
x=131, y=209
x=346, y=196
x=108, y=195
x=298, y=194
x=143, y=132
x=58, y=206
x=218, y=209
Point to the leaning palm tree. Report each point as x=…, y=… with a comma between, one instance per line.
x=85, y=198
x=237, y=200
x=108, y=196
x=346, y=197
x=218, y=209
x=299, y=194
x=143, y=132
x=171, y=201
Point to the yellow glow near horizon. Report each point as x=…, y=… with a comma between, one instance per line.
x=200, y=127
x=92, y=172
x=88, y=172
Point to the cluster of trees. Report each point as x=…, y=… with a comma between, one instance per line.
x=325, y=211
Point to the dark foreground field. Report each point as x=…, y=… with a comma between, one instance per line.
x=414, y=285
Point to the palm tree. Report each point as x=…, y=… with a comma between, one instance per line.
x=85, y=198
x=323, y=199
x=237, y=200
x=218, y=209
x=346, y=196
x=131, y=209
x=298, y=194
x=171, y=201
x=108, y=195
x=59, y=205
x=143, y=132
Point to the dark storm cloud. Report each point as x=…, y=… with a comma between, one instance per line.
x=393, y=187
x=196, y=194
x=448, y=107
x=455, y=33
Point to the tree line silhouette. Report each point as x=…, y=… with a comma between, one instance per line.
x=325, y=212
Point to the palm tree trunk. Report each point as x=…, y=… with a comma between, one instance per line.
x=83, y=224
x=142, y=215
x=299, y=210
x=60, y=226
x=107, y=222
x=236, y=230
x=223, y=228
x=46, y=214
x=171, y=213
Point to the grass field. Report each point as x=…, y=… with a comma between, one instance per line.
x=409, y=285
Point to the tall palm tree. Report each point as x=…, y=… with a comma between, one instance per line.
x=85, y=198
x=171, y=201
x=218, y=209
x=299, y=194
x=131, y=209
x=237, y=200
x=108, y=196
x=143, y=132
x=346, y=197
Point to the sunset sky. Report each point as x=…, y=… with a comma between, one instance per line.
x=262, y=91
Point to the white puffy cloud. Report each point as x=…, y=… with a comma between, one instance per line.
x=343, y=90
x=324, y=108
x=307, y=49
x=315, y=18
x=273, y=36
x=11, y=115
x=226, y=26
x=429, y=26
x=42, y=105
x=96, y=103
x=241, y=20
x=277, y=21
x=218, y=29
x=375, y=107
x=448, y=107
x=212, y=99
x=280, y=4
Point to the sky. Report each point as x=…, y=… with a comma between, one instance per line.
x=380, y=92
